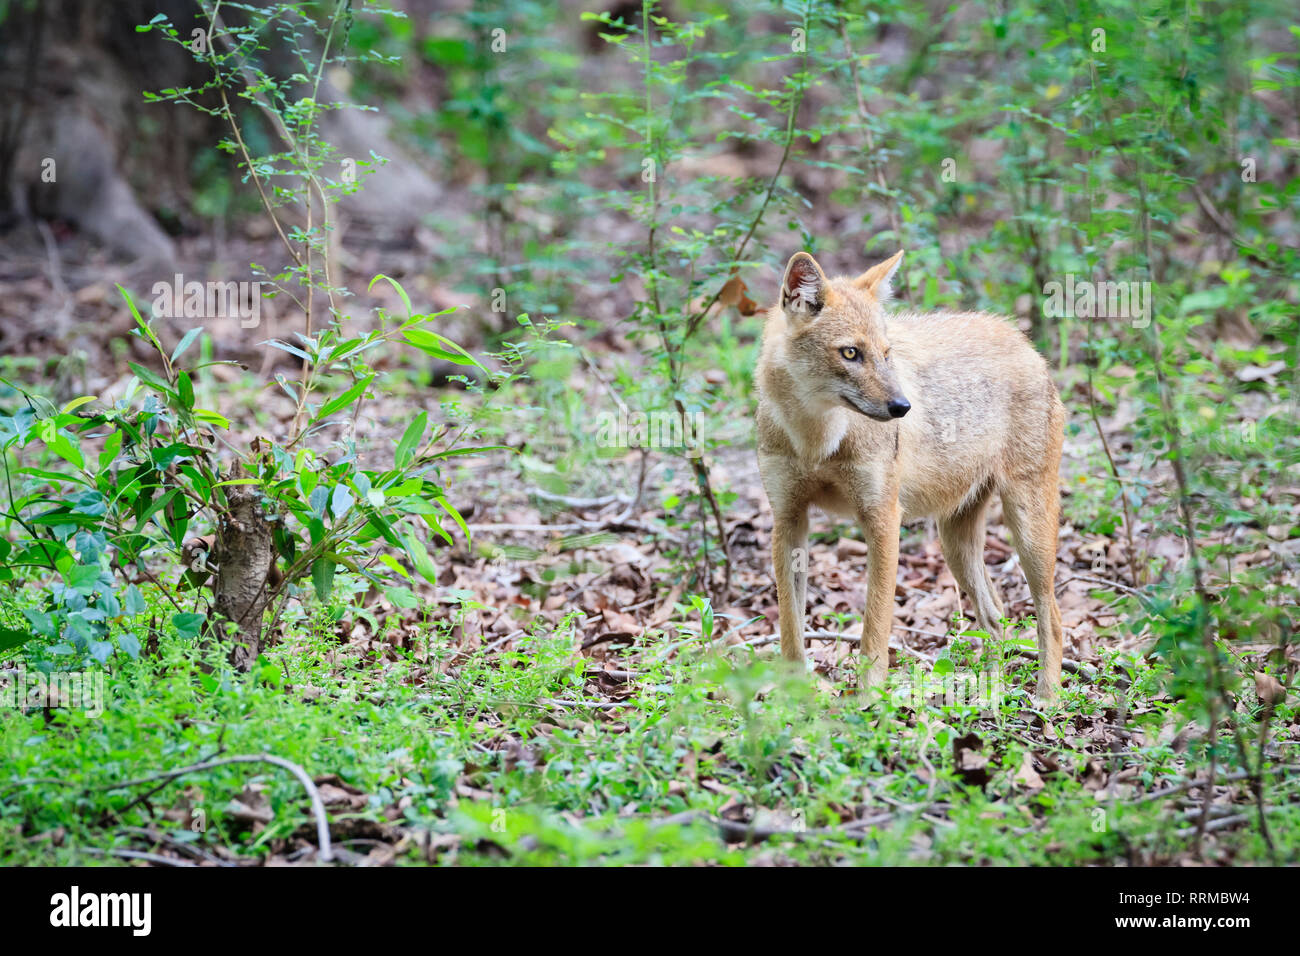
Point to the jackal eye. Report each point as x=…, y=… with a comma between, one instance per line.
x=850, y=353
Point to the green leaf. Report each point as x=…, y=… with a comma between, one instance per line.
x=151, y=379
x=186, y=389
x=319, y=501
x=132, y=601
x=83, y=577
x=402, y=597
x=419, y=555
x=63, y=446
x=439, y=346
x=11, y=638
x=286, y=347
x=705, y=607
x=316, y=530
x=41, y=622
x=186, y=342
x=384, y=527
x=347, y=398
x=456, y=452
x=322, y=576
x=409, y=487
x=288, y=389
x=410, y=440
x=112, y=445
x=188, y=624
x=78, y=402
x=406, y=300
x=450, y=509
x=154, y=507
x=341, y=501
x=211, y=418
x=144, y=326
x=52, y=476
x=393, y=564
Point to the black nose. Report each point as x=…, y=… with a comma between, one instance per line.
x=898, y=407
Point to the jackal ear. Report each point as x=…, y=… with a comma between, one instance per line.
x=878, y=278
x=803, y=290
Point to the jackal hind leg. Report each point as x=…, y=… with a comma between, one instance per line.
x=1030, y=508
x=962, y=538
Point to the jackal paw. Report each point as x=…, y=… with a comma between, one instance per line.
x=873, y=680
x=797, y=664
x=1046, y=692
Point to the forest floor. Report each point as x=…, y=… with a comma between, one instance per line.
x=561, y=697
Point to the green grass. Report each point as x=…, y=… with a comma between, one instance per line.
x=471, y=760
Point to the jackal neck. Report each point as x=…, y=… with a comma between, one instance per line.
x=815, y=431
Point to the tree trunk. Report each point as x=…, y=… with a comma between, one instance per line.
x=245, y=561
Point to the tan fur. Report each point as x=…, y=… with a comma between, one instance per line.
x=984, y=418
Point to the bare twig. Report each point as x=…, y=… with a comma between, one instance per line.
x=188, y=849
x=155, y=858
x=1072, y=667
x=1114, y=471
x=317, y=806
x=1102, y=581
x=580, y=504
x=503, y=640
x=734, y=831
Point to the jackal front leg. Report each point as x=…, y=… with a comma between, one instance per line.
x=790, y=564
x=881, y=527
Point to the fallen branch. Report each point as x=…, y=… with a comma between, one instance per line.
x=1193, y=784
x=503, y=640
x=158, y=838
x=594, y=704
x=734, y=831
x=317, y=806
x=611, y=525
x=832, y=636
x=1210, y=827
x=530, y=527
x=155, y=858
x=1083, y=671
x=1102, y=581
x=580, y=504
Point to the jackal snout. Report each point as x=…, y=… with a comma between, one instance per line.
x=871, y=387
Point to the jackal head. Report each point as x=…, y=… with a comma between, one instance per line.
x=836, y=345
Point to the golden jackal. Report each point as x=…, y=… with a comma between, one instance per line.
x=884, y=418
